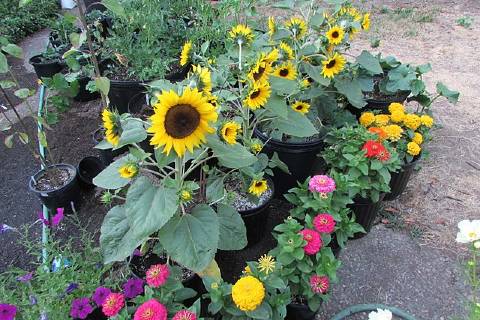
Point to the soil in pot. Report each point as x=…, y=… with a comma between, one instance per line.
x=83, y=94
x=365, y=212
x=399, y=180
x=106, y=155
x=299, y=310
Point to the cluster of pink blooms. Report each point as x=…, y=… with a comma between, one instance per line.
x=319, y=284
x=314, y=241
x=321, y=184
x=157, y=275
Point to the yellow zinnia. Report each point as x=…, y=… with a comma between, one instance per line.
x=300, y=106
x=181, y=122
x=286, y=70
x=297, y=26
x=382, y=119
x=248, y=293
x=111, y=121
x=393, y=131
x=128, y=171
x=333, y=65
x=413, y=148
x=258, y=187
x=427, y=121
x=230, y=131
x=367, y=118
x=417, y=138
x=241, y=34
x=266, y=264
x=185, y=54
x=412, y=121
x=258, y=95
x=397, y=116
x=335, y=35
x=396, y=107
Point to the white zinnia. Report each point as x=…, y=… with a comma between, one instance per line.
x=469, y=231
x=380, y=314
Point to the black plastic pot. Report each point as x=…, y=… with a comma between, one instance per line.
x=88, y=168
x=45, y=69
x=122, y=92
x=97, y=314
x=106, y=155
x=299, y=157
x=297, y=311
x=365, y=212
x=62, y=197
x=380, y=105
x=83, y=94
x=399, y=181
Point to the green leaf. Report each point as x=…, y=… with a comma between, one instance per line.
x=283, y=86
x=233, y=235
x=317, y=19
x=9, y=141
x=6, y=84
x=163, y=159
x=3, y=63
x=192, y=239
x=13, y=50
x=418, y=86
x=376, y=165
x=116, y=239
x=23, y=137
x=231, y=156
x=424, y=68
x=22, y=93
x=109, y=178
x=444, y=91
x=22, y=3
x=215, y=189
x=369, y=62
x=132, y=132
x=315, y=72
x=352, y=90
x=277, y=105
x=276, y=162
x=103, y=84
x=264, y=311
x=297, y=125
x=149, y=207
x=116, y=7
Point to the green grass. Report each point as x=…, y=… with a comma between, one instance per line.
x=465, y=21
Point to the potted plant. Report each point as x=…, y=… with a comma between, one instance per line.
x=367, y=162
x=47, y=64
x=83, y=72
x=61, y=29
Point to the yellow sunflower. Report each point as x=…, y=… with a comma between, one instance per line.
x=286, y=50
x=213, y=100
x=286, y=70
x=256, y=146
x=258, y=95
x=185, y=54
x=335, y=35
x=185, y=195
x=261, y=70
x=241, y=34
x=297, y=26
x=230, y=131
x=272, y=28
x=204, y=79
x=128, y=170
x=300, y=106
x=181, y=122
x=366, y=21
x=258, y=187
x=111, y=124
x=272, y=56
x=333, y=65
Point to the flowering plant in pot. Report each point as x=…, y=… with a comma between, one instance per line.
x=260, y=293
x=308, y=263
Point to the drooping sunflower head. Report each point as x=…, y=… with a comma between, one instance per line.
x=272, y=28
x=366, y=21
x=241, y=34
x=286, y=70
x=229, y=131
x=301, y=107
x=258, y=187
x=203, y=79
x=185, y=54
x=260, y=70
x=256, y=146
x=258, y=95
x=335, y=35
x=213, y=100
x=333, y=65
x=111, y=123
x=297, y=26
x=181, y=122
x=286, y=51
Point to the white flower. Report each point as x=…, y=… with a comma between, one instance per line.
x=380, y=314
x=469, y=231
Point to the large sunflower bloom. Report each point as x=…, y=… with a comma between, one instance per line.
x=297, y=26
x=333, y=66
x=261, y=70
x=185, y=54
x=111, y=124
x=230, y=131
x=286, y=70
x=301, y=107
x=181, y=122
x=258, y=95
x=335, y=35
x=204, y=80
x=241, y=33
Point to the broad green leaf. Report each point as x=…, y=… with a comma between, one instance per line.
x=22, y=93
x=233, y=234
x=13, y=50
x=285, y=4
x=297, y=125
x=451, y=95
x=103, y=85
x=110, y=178
x=352, y=90
x=424, y=68
x=317, y=19
x=276, y=162
x=315, y=73
x=3, y=63
x=9, y=141
x=149, y=207
x=277, y=106
x=417, y=86
x=376, y=165
x=192, y=239
x=215, y=189
x=231, y=156
x=369, y=62
x=162, y=158
x=132, y=132
x=116, y=7
x=6, y=84
x=212, y=271
x=264, y=311
x=283, y=86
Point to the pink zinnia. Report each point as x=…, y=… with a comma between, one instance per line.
x=184, y=315
x=113, y=304
x=314, y=241
x=151, y=310
x=157, y=275
x=322, y=184
x=324, y=223
x=319, y=284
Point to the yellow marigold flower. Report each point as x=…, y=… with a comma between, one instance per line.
x=241, y=34
x=427, y=121
x=230, y=131
x=412, y=121
x=266, y=264
x=335, y=35
x=300, y=106
x=366, y=21
x=333, y=65
x=367, y=118
x=394, y=132
x=128, y=171
x=382, y=119
x=397, y=116
x=297, y=26
x=417, y=138
x=247, y=270
x=395, y=107
x=185, y=54
x=248, y=293
x=256, y=147
x=186, y=195
x=272, y=28
x=258, y=187
x=413, y=148
x=286, y=50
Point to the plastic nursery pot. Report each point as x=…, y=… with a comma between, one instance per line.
x=122, y=92
x=365, y=212
x=62, y=193
x=88, y=168
x=297, y=311
x=83, y=94
x=380, y=105
x=399, y=180
x=97, y=314
x=45, y=69
x=299, y=157
x=106, y=155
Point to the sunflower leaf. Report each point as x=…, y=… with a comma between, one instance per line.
x=444, y=91
x=109, y=178
x=352, y=90
x=284, y=86
x=315, y=73
x=132, y=132
x=233, y=234
x=233, y=156
x=277, y=106
x=297, y=125
x=369, y=62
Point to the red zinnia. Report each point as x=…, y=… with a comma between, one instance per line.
x=383, y=155
x=373, y=148
x=319, y=284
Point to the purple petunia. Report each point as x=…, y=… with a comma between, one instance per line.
x=7, y=311
x=80, y=308
x=132, y=288
x=137, y=253
x=26, y=277
x=100, y=294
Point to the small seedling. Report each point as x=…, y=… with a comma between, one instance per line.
x=374, y=42
x=465, y=21
x=385, y=10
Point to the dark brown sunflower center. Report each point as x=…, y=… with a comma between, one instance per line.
x=283, y=72
x=257, y=75
x=331, y=64
x=255, y=94
x=299, y=107
x=335, y=34
x=258, y=184
x=181, y=121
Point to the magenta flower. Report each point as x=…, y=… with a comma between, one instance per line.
x=55, y=220
x=100, y=294
x=133, y=288
x=151, y=310
x=184, y=315
x=7, y=311
x=113, y=304
x=321, y=184
x=324, y=223
x=319, y=284
x=157, y=275
x=80, y=308
x=137, y=253
x=314, y=241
